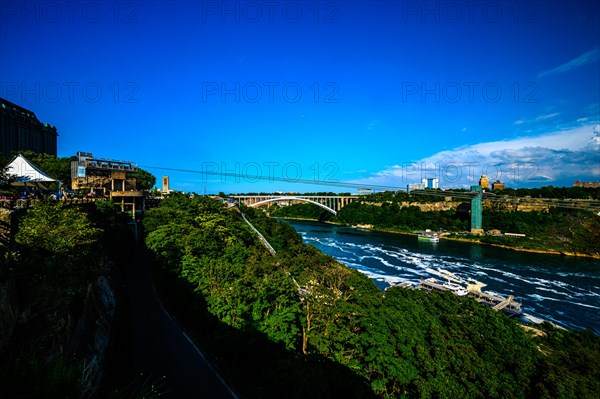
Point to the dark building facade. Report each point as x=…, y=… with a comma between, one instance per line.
x=21, y=130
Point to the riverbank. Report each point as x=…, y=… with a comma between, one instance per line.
x=521, y=249
x=467, y=240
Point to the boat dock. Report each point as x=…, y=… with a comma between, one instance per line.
x=457, y=286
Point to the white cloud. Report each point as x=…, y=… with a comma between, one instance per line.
x=554, y=157
x=538, y=118
x=547, y=116
x=585, y=58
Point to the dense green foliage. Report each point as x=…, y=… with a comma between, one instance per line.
x=144, y=180
x=563, y=230
x=61, y=240
x=301, y=211
x=394, y=216
x=300, y=324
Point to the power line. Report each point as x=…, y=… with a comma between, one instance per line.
x=467, y=195
x=281, y=179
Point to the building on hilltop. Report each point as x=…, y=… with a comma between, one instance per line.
x=107, y=178
x=21, y=130
x=415, y=186
x=586, y=184
x=165, y=185
x=484, y=182
x=497, y=185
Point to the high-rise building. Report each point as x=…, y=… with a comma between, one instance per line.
x=21, y=130
x=484, y=182
x=497, y=185
x=430, y=182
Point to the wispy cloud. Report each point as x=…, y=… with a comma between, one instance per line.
x=547, y=116
x=583, y=59
x=551, y=158
x=538, y=118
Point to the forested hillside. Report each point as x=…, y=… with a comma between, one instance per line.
x=300, y=324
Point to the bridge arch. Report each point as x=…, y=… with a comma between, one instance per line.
x=328, y=209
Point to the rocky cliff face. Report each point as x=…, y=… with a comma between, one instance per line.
x=434, y=206
x=8, y=310
x=92, y=334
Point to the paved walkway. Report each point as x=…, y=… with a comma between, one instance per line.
x=160, y=347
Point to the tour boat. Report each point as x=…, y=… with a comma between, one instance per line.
x=429, y=237
x=433, y=284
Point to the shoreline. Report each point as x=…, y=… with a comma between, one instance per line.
x=539, y=251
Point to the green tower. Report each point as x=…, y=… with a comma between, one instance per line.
x=476, y=226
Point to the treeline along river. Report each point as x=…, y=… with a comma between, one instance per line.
x=564, y=290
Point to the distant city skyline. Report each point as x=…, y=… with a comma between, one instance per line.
x=374, y=93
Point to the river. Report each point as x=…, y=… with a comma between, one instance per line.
x=564, y=290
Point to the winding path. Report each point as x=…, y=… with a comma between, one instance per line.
x=161, y=348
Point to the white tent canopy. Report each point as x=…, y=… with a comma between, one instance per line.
x=27, y=174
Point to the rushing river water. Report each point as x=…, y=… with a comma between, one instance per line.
x=564, y=290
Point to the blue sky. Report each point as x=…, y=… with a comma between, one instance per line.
x=368, y=92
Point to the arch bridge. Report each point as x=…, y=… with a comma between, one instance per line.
x=331, y=203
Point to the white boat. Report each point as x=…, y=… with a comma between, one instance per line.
x=431, y=284
x=429, y=237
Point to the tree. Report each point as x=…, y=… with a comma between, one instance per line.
x=61, y=239
x=5, y=179
x=144, y=180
